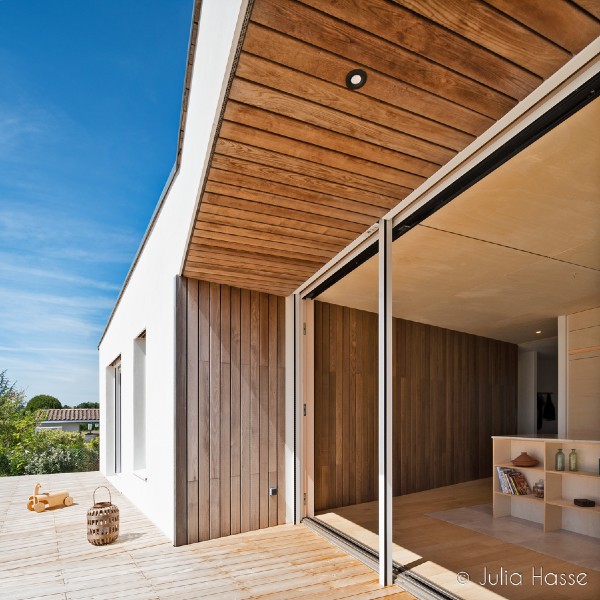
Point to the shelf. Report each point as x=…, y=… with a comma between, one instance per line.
x=522, y=496
x=569, y=504
x=579, y=473
x=511, y=466
x=559, y=512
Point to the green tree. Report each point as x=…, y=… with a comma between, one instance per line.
x=43, y=401
x=5, y=384
x=17, y=426
x=88, y=405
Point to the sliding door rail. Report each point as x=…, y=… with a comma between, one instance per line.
x=404, y=577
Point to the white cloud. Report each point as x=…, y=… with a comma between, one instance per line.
x=19, y=270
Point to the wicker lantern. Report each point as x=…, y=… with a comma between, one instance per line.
x=102, y=521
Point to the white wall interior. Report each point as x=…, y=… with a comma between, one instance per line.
x=148, y=301
x=527, y=389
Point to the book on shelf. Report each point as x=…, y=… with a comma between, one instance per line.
x=513, y=482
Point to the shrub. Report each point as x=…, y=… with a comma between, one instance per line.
x=24, y=452
x=56, y=451
x=43, y=401
x=54, y=460
x=5, y=466
x=92, y=455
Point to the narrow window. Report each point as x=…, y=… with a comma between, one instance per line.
x=117, y=413
x=139, y=402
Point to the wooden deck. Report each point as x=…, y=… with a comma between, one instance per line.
x=47, y=555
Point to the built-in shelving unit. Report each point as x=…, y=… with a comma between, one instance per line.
x=556, y=510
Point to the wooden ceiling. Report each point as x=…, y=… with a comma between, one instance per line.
x=302, y=165
x=511, y=253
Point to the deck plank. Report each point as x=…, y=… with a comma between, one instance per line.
x=286, y=561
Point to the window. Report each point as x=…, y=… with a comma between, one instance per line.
x=116, y=391
x=139, y=402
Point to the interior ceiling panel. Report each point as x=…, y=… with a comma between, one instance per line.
x=303, y=165
x=510, y=254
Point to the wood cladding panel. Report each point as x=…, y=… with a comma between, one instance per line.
x=452, y=392
x=230, y=410
x=583, y=377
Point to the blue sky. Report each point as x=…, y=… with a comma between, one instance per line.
x=90, y=94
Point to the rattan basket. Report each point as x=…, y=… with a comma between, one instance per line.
x=102, y=521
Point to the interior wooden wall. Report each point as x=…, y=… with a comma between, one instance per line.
x=452, y=392
x=583, y=418
x=230, y=414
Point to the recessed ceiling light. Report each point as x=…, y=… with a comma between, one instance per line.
x=356, y=79
x=540, y=331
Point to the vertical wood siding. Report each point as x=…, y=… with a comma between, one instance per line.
x=452, y=392
x=230, y=420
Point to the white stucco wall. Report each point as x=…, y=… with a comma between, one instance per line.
x=63, y=426
x=148, y=302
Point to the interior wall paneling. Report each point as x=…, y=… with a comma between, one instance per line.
x=583, y=375
x=452, y=392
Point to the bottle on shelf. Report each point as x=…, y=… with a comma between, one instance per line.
x=559, y=462
x=573, y=460
x=538, y=489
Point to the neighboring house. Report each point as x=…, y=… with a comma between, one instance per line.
x=429, y=176
x=69, y=419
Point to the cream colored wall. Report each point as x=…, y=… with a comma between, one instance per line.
x=583, y=411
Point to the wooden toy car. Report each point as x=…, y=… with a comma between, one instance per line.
x=40, y=502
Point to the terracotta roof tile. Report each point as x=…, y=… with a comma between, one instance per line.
x=72, y=414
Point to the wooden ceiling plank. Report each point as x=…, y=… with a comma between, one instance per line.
x=207, y=274
x=290, y=225
x=205, y=259
x=242, y=278
x=260, y=119
x=312, y=247
x=320, y=63
x=483, y=25
x=245, y=245
x=591, y=6
x=257, y=177
x=237, y=272
x=249, y=284
x=411, y=31
x=366, y=49
x=252, y=200
x=338, y=97
x=549, y=19
x=206, y=231
x=201, y=249
x=247, y=272
x=291, y=106
x=299, y=149
x=335, y=182
x=301, y=237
